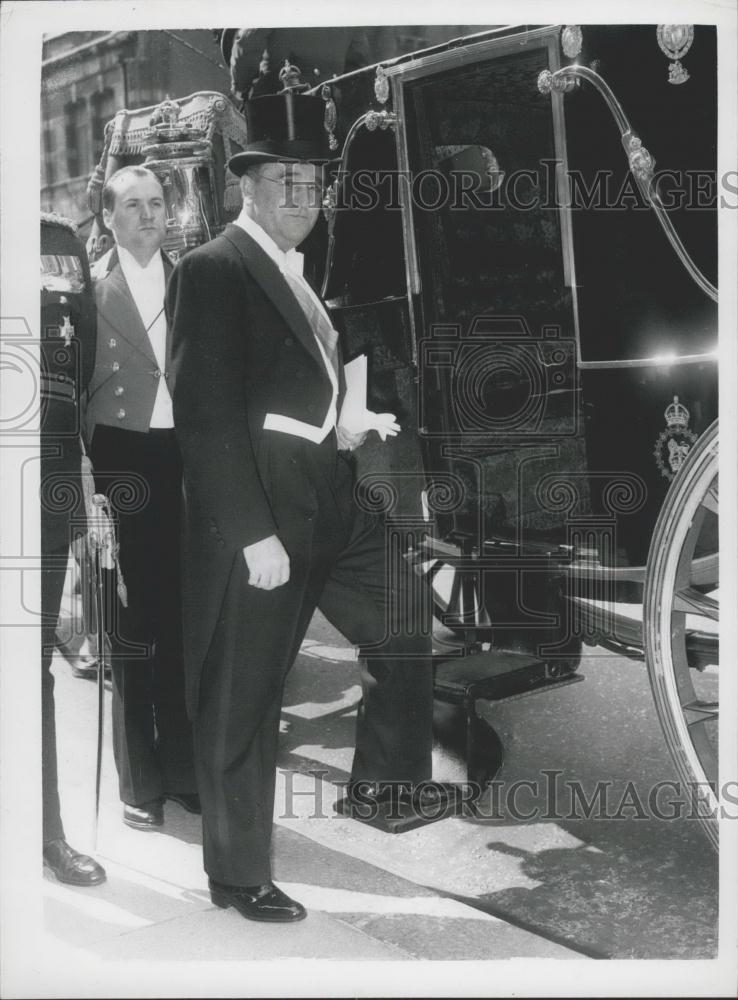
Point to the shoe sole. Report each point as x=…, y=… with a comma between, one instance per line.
x=224, y=903
x=143, y=826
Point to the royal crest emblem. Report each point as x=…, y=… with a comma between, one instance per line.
x=673, y=443
x=675, y=40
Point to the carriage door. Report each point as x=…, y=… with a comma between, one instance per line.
x=490, y=261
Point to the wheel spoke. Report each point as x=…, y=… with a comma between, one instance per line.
x=705, y=571
x=682, y=563
x=699, y=712
x=693, y=602
x=710, y=499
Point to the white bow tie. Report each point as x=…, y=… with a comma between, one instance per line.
x=294, y=261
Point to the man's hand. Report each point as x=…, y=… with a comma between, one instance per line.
x=348, y=440
x=268, y=563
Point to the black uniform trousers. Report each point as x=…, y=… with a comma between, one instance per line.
x=339, y=561
x=62, y=519
x=53, y=573
x=152, y=738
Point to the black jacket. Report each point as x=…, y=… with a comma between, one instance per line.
x=241, y=348
x=67, y=362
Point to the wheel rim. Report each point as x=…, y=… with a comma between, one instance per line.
x=681, y=595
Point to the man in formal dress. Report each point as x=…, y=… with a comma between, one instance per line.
x=67, y=357
x=272, y=530
x=137, y=463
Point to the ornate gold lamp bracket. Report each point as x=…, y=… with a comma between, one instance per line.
x=555, y=83
x=380, y=120
x=383, y=118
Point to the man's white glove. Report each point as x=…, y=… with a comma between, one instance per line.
x=383, y=423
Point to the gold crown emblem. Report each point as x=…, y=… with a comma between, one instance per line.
x=677, y=416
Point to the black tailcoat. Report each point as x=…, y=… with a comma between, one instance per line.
x=242, y=349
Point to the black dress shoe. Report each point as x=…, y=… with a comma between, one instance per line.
x=70, y=866
x=144, y=817
x=188, y=800
x=259, y=902
x=426, y=795
x=85, y=667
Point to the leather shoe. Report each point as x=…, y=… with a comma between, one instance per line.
x=259, y=902
x=85, y=667
x=144, y=817
x=426, y=795
x=70, y=866
x=190, y=801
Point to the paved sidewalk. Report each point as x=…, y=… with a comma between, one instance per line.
x=366, y=892
x=460, y=890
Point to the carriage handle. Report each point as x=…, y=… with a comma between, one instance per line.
x=640, y=161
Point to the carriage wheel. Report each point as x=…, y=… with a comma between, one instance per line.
x=681, y=613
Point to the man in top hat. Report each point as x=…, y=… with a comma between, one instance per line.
x=272, y=530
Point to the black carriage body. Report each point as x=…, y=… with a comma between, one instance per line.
x=547, y=354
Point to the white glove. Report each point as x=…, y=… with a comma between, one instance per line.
x=384, y=424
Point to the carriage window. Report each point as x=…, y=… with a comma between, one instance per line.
x=498, y=361
x=482, y=152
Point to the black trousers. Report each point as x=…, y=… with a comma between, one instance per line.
x=152, y=738
x=62, y=520
x=53, y=572
x=342, y=564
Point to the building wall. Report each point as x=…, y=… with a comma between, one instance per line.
x=86, y=77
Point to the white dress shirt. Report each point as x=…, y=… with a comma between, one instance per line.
x=292, y=261
x=147, y=286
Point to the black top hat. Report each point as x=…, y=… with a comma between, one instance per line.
x=287, y=126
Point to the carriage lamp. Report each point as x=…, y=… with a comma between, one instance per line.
x=180, y=153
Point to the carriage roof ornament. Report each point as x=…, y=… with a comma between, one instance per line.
x=571, y=40
x=290, y=77
x=166, y=126
x=381, y=85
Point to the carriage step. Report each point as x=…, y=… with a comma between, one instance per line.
x=496, y=675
